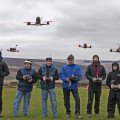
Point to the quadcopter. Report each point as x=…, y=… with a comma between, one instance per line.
x=116, y=50
x=38, y=22
x=85, y=46
x=13, y=49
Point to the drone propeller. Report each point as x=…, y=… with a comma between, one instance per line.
x=49, y=21
x=28, y=22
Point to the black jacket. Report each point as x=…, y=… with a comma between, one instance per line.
x=90, y=74
x=48, y=72
x=25, y=85
x=115, y=75
x=4, y=71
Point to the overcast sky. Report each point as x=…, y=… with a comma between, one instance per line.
x=96, y=22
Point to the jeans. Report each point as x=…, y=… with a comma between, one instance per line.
x=75, y=94
x=52, y=95
x=93, y=90
x=26, y=96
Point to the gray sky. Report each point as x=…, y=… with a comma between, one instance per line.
x=96, y=22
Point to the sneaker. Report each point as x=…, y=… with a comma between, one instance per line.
x=96, y=114
x=78, y=116
x=89, y=115
x=15, y=116
x=111, y=117
x=67, y=116
x=1, y=114
x=25, y=115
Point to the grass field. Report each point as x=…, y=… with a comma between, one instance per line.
x=35, y=106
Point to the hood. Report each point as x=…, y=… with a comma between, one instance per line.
x=116, y=64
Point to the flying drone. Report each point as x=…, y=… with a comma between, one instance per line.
x=116, y=50
x=38, y=22
x=84, y=46
x=13, y=49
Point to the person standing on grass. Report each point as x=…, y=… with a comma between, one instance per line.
x=71, y=74
x=113, y=81
x=26, y=76
x=95, y=74
x=4, y=71
x=48, y=73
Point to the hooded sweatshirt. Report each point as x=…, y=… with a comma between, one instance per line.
x=95, y=70
x=113, y=76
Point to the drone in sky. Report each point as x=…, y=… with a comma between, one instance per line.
x=13, y=49
x=38, y=22
x=84, y=46
x=116, y=50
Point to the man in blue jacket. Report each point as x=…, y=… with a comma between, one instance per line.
x=48, y=74
x=26, y=77
x=71, y=74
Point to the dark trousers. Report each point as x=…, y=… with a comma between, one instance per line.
x=0, y=99
x=113, y=99
x=93, y=91
x=75, y=94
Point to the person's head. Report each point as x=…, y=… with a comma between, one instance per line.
x=95, y=59
x=1, y=55
x=49, y=61
x=70, y=59
x=115, y=66
x=27, y=64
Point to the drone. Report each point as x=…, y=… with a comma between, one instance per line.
x=38, y=22
x=13, y=49
x=116, y=50
x=84, y=46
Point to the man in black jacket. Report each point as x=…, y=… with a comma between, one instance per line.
x=95, y=74
x=4, y=71
x=113, y=81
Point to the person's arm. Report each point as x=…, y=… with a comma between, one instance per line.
x=39, y=75
x=87, y=74
x=103, y=73
x=19, y=75
x=79, y=74
x=63, y=75
x=5, y=71
x=108, y=81
x=56, y=77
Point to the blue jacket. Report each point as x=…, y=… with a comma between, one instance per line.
x=67, y=72
x=24, y=85
x=48, y=71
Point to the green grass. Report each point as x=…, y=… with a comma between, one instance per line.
x=35, y=105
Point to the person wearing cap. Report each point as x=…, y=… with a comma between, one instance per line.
x=48, y=74
x=113, y=81
x=26, y=76
x=95, y=73
x=71, y=74
x=4, y=71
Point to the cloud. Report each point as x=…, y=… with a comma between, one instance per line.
x=95, y=22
